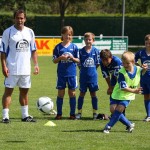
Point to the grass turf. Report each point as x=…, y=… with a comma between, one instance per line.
x=85, y=134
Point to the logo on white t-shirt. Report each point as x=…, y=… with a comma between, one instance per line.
x=22, y=45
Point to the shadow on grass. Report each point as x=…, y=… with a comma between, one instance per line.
x=88, y=130
x=16, y=141
x=92, y=130
x=83, y=118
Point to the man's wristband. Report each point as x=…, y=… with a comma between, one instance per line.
x=36, y=65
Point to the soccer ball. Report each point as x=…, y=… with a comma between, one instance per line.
x=45, y=105
x=67, y=54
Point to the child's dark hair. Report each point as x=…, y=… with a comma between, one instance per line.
x=105, y=54
x=19, y=11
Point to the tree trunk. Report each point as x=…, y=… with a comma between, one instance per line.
x=63, y=4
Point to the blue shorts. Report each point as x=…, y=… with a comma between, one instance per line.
x=146, y=87
x=125, y=103
x=71, y=82
x=91, y=86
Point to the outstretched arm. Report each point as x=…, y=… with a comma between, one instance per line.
x=136, y=91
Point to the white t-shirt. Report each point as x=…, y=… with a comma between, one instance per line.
x=18, y=46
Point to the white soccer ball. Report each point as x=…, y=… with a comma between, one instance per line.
x=45, y=105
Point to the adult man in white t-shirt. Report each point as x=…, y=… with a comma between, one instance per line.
x=17, y=49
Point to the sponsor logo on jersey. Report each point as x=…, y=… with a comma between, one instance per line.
x=148, y=64
x=89, y=62
x=133, y=87
x=22, y=46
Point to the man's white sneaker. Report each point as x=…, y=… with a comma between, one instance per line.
x=5, y=120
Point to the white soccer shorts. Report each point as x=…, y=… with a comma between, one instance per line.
x=22, y=81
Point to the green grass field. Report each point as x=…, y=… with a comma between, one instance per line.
x=85, y=134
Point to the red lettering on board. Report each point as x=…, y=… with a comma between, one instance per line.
x=41, y=44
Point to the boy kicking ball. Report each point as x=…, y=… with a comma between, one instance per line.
x=125, y=90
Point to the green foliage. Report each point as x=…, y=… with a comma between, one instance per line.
x=77, y=6
x=5, y=20
x=135, y=27
x=83, y=134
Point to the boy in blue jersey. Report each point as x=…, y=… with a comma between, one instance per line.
x=110, y=66
x=144, y=56
x=89, y=61
x=125, y=90
x=65, y=54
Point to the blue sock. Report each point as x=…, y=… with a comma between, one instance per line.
x=59, y=103
x=80, y=102
x=124, y=120
x=115, y=117
x=147, y=107
x=72, y=105
x=95, y=103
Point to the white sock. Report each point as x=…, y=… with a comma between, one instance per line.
x=5, y=113
x=24, y=111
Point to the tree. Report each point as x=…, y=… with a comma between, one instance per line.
x=21, y=4
x=63, y=4
x=13, y=4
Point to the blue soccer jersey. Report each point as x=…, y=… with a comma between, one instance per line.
x=112, y=69
x=145, y=59
x=145, y=79
x=88, y=65
x=66, y=68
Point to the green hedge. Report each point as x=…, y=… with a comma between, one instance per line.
x=7, y=20
x=135, y=27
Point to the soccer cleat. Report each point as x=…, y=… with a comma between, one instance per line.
x=58, y=117
x=5, y=120
x=133, y=125
x=147, y=119
x=78, y=116
x=130, y=128
x=106, y=129
x=95, y=116
x=28, y=119
x=72, y=117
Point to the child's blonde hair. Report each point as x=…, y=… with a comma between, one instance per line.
x=87, y=34
x=128, y=56
x=66, y=29
x=147, y=37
